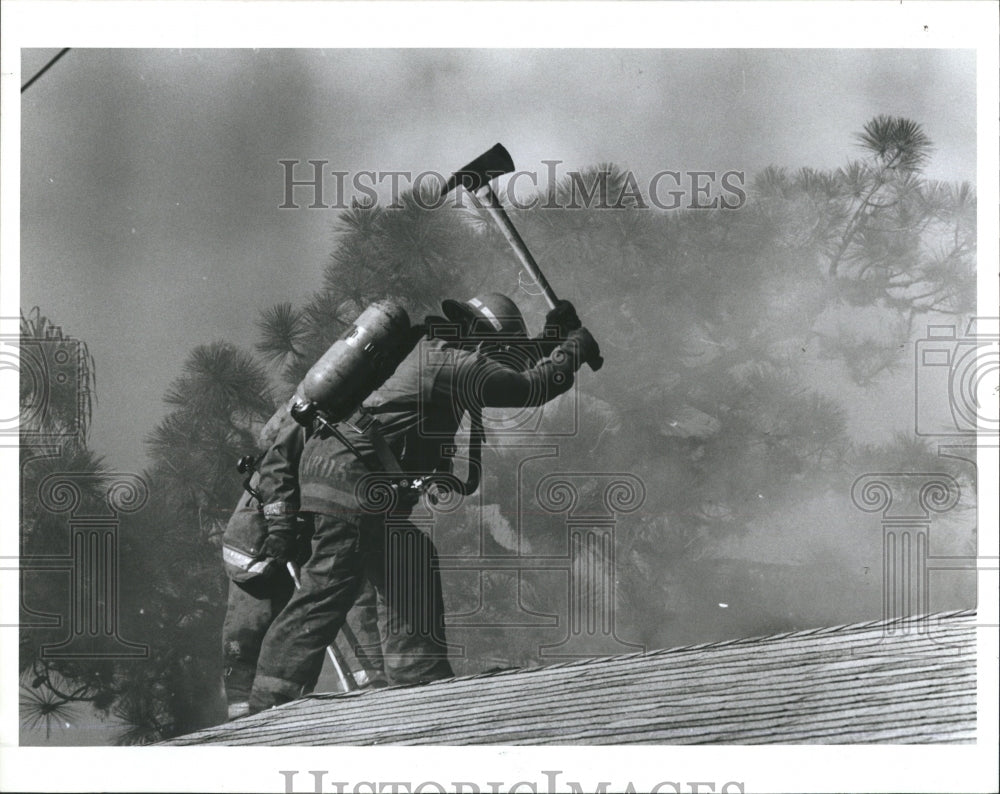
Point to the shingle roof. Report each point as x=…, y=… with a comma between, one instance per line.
x=910, y=681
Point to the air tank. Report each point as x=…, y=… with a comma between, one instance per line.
x=356, y=364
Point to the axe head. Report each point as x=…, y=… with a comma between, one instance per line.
x=487, y=166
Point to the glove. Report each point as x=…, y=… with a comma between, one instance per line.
x=279, y=546
x=582, y=346
x=561, y=319
x=282, y=531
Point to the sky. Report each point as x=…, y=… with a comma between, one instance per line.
x=151, y=181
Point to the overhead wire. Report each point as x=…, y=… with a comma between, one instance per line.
x=44, y=69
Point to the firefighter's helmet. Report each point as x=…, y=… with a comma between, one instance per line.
x=492, y=314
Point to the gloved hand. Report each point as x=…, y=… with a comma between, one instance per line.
x=583, y=347
x=279, y=545
x=561, y=319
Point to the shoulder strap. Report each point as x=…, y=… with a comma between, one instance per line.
x=367, y=425
x=363, y=423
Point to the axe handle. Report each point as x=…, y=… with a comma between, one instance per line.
x=500, y=217
x=503, y=222
x=341, y=668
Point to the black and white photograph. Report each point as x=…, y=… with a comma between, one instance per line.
x=501, y=397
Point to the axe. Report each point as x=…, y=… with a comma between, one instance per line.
x=479, y=172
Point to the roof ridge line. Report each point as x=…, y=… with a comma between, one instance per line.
x=584, y=661
x=840, y=627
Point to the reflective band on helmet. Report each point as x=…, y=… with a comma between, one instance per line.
x=483, y=310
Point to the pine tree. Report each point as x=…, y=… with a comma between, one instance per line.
x=171, y=587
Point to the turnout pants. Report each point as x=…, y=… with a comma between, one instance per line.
x=251, y=609
x=348, y=548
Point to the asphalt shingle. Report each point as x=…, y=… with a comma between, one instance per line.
x=904, y=681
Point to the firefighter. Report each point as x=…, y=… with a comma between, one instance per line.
x=253, y=603
x=478, y=356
